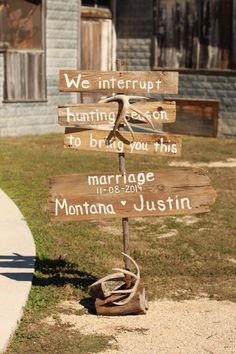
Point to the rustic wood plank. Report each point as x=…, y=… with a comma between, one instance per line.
x=136, y=306
x=90, y=43
x=151, y=193
x=25, y=75
x=90, y=12
x=225, y=29
x=3, y=22
x=107, y=113
x=195, y=117
x=160, y=179
x=32, y=73
x=171, y=45
x=201, y=36
x=107, y=54
x=233, y=39
x=119, y=82
x=42, y=76
x=105, y=141
x=103, y=287
x=96, y=37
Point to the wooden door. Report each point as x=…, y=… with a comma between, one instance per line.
x=97, y=42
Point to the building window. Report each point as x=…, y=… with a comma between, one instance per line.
x=194, y=34
x=22, y=22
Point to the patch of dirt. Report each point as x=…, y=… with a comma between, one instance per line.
x=70, y=305
x=110, y=226
x=232, y=260
x=187, y=219
x=214, y=164
x=203, y=229
x=111, y=229
x=156, y=221
x=170, y=233
x=192, y=326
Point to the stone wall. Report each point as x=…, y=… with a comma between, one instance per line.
x=134, y=33
x=61, y=44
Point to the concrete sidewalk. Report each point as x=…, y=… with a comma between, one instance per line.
x=17, y=259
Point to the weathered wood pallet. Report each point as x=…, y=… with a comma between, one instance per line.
x=195, y=117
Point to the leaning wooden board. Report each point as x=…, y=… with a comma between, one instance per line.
x=151, y=193
x=106, y=113
x=195, y=116
x=119, y=81
x=106, y=141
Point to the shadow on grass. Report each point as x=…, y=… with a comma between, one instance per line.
x=59, y=272
x=89, y=304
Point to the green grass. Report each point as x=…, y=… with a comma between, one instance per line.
x=72, y=255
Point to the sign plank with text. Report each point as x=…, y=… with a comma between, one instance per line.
x=106, y=141
x=151, y=193
x=126, y=82
x=106, y=113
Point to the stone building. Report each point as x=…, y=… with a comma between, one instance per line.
x=39, y=37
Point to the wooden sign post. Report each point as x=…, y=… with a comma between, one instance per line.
x=108, y=126
x=125, y=221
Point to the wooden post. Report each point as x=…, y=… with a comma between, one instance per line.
x=125, y=221
x=79, y=99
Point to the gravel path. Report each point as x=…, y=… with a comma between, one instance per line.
x=169, y=327
x=231, y=162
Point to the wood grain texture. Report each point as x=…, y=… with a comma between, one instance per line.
x=233, y=39
x=164, y=192
x=193, y=34
x=3, y=22
x=90, y=42
x=105, y=141
x=136, y=306
x=119, y=81
x=96, y=37
x=103, y=287
x=95, y=13
x=25, y=75
x=106, y=113
x=195, y=117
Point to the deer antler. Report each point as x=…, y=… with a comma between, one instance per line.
x=131, y=291
x=127, y=106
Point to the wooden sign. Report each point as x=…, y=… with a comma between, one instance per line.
x=107, y=113
x=151, y=193
x=145, y=82
x=105, y=141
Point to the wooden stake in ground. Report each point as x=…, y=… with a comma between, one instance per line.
x=125, y=221
x=137, y=305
